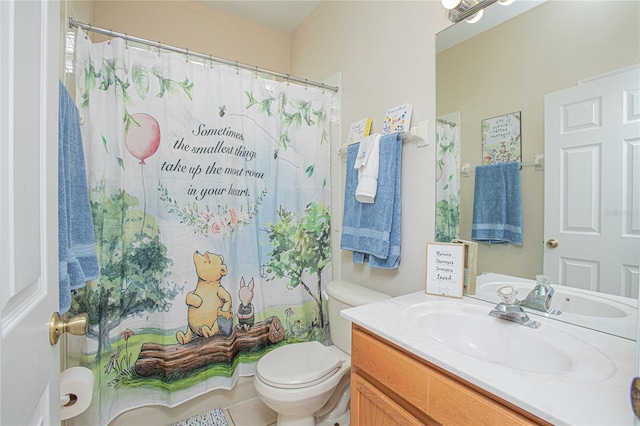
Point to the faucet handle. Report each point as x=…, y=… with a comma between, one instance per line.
x=508, y=294
x=543, y=280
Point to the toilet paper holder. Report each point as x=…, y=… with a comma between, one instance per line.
x=77, y=325
x=76, y=391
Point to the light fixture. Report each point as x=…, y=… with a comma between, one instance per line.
x=452, y=4
x=475, y=18
x=469, y=10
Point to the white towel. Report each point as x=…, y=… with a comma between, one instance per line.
x=368, y=163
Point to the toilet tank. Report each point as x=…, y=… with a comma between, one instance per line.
x=344, y=295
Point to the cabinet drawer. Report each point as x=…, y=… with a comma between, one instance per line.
x=401, y=374
x=441, y=397
x=453, y=403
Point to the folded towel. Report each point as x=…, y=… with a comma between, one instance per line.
x=367, y=163
x=372, y=231
x=497, y=209
x=76, y=242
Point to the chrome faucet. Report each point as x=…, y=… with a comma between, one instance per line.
x=509, y=309
x=541, y=296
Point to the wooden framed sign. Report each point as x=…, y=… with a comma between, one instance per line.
x=445, y=269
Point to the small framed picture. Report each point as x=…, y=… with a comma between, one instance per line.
x=502, y=139
x=470, y=265
x=445, y=269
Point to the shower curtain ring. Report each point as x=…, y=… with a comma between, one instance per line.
x=288, y=79
x=256, y=71
x=186, y=57
x=306, y=82
x=237, y=70
x=159, y=45
x=110, y=36
x=126, y=41
x=86, y=35
x=211, y=59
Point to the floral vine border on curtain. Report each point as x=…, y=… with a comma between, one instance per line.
x=447, y=183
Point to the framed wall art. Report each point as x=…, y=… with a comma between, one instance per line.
x=502, y=139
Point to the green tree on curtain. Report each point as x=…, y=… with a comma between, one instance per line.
x=300, y=246
x=133, y=265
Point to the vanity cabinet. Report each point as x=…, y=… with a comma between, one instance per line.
x=390, y=386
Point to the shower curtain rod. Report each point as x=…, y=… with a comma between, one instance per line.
x=187, y=52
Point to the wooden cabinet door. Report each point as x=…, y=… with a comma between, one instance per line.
x=370, y=407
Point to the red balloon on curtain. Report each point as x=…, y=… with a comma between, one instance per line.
x=142, y=142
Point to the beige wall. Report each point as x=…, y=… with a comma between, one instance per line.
x=192, y=25
x=482, y=80
x=385, y=52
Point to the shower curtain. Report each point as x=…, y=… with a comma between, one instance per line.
x=447, y=183
x=209, y=190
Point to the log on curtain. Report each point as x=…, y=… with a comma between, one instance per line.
x=210, y=197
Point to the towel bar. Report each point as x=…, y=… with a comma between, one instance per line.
x=418, y=133
x=537, y=163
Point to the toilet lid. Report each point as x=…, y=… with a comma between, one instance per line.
x=298, y=365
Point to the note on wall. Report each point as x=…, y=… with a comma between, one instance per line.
x=445, y=269
x=359, y=130
x=397, y=119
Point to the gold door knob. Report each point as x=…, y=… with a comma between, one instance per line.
x=635, y=396
x=552, y=243
x=77, y=325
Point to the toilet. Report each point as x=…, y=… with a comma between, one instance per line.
x=308, y=383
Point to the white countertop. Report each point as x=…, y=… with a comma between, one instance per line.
x=579, y=399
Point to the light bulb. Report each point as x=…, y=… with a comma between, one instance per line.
x=451, y=4
x=475, y=17
x=505, y=2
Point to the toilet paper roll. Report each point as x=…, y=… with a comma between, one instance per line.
x=76, y=391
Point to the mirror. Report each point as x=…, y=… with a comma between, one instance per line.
x=509, y=67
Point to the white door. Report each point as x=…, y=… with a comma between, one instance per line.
x=29, y=58
x=636, y=417
x=592, y=184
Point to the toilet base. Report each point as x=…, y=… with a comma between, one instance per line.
x=336, y=410
x=343, y=420
x=289, y=420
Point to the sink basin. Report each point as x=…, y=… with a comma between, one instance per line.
x=580, y=305
x=479, y=338
x=468, y=329
x=564, y=300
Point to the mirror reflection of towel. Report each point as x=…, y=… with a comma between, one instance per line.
x=372, y=231
x=497, y=208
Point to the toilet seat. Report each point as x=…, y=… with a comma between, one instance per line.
x=298, y=365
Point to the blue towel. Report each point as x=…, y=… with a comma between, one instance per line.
x=372, y=231
x=497, y=209
x=76, y=242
